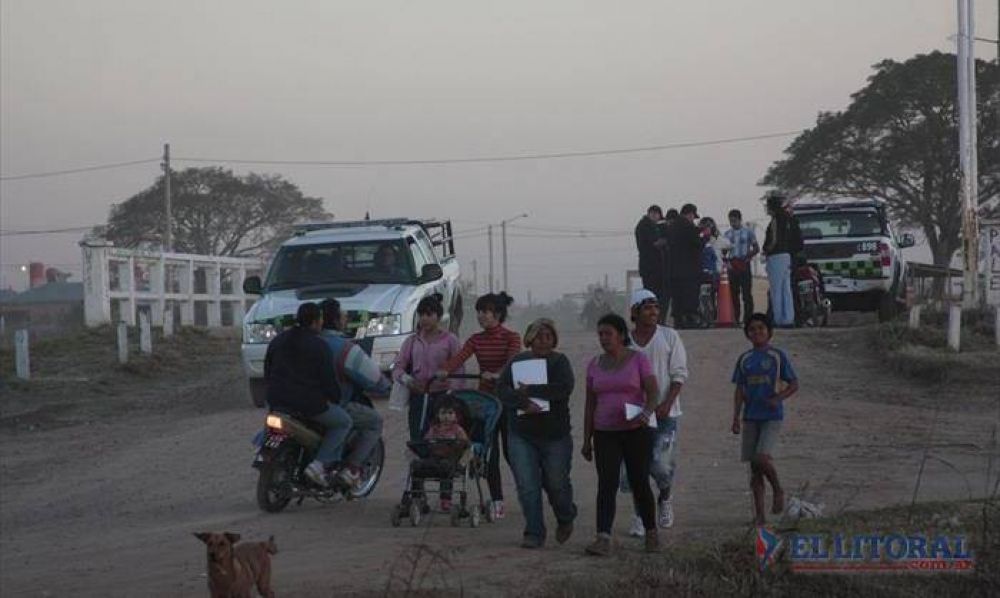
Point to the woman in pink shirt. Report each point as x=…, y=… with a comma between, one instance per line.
x=421, y=356
x=620, y=381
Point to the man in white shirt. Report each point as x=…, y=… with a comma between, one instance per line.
x=665, y=350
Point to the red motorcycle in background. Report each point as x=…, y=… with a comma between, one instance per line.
x=812, y=308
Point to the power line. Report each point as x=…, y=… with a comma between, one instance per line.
x=51, y=173
x=510, y=158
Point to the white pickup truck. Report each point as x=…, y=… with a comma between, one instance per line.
x=379, y=270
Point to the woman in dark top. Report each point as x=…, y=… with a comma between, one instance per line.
x=539, y=441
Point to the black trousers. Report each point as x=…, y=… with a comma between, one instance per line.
x=741, y=284
x=684, y=293
x=493, y=479
x=635, y=448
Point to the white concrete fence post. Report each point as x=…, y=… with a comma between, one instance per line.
x=915, y=317
x=955, y=326
x=168, y=322
x=145, y=334
x=22, y=361
x=122, y=342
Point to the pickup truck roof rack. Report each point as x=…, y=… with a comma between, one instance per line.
x=438, y=231
x=308, y=227
x=836, y=204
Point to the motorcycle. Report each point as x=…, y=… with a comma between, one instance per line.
x=812, y=308
x=708, y=301
x=286, y=446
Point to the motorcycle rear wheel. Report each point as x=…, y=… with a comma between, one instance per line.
x=274, y=484
x=371, y=471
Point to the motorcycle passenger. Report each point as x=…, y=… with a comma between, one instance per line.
x=301, y=379
x=357, y=374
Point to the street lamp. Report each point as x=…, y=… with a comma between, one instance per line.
x=503, y=242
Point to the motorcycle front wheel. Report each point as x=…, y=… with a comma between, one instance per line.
x=274, y=485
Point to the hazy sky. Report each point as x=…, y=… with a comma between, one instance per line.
x=99, y=81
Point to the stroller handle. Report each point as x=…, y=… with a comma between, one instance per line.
x=427, y=387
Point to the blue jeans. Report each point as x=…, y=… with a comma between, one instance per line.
x=664, y=462
x=338, y=425
x=779, y=278
x=540, y=463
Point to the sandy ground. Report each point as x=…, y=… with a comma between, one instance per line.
x=107, y=507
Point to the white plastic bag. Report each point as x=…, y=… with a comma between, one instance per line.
x=399, y=397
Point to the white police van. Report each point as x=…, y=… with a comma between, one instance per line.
x=858, y=252
x=378, y=270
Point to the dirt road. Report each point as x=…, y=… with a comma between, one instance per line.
x=107, y=508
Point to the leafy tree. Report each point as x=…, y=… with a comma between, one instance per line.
x=898, y=141
x=214, y=212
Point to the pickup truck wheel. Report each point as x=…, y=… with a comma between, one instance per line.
x=258, y=392
x=457, y=311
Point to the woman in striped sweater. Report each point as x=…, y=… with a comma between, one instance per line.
x=493, y=347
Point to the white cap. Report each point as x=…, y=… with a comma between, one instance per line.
x=640, y=296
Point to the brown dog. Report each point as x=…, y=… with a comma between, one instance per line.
x=233, y=570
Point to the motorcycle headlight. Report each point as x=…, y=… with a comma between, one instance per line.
x=384, y=325
x=259, y=333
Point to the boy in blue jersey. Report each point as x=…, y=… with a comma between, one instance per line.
x=764, y=378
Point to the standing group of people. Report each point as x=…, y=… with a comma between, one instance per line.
x=678, y=252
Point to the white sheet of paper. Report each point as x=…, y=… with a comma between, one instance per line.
x=542, y=403
x=633, y=411
x=530, y=371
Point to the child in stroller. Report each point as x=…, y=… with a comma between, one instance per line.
x=455, y=449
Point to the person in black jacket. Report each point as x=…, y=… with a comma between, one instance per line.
x=686, y=245
x=651, y=242
x=539, y=440
x=301, y=380
x=783, y=240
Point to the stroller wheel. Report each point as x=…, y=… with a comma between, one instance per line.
x=396, y=516
x=474, y=516
x=425, y=508
x=414, y=514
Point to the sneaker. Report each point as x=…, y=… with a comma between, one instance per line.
x=446, y=505
x=349, y=477
x=652, y=541
x=531, y=542
x=498, y=512
x=637, y=529
x=666, y=518
x=601, y=546
x=317, y=474
x=564, y=531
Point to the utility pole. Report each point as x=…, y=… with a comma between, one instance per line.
x=475, y=278
x=503, y=243
x=489, y=237
x=967, y=151
x=168, y=238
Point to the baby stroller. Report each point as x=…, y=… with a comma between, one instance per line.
x=479, y=414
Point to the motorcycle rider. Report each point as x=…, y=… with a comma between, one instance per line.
x=357, y=374
x=301, y=379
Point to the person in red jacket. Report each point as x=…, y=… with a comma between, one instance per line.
x=493, y=347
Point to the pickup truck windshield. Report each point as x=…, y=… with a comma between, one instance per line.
x=825, y=225
x=372, y=262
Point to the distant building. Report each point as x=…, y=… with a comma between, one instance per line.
x=46, y=310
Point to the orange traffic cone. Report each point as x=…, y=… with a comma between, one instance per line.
x=725, y=302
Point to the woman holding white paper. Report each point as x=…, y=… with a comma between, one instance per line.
x=621, y=401
x=535, y=388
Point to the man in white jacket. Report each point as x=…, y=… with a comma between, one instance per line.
x=665, y=350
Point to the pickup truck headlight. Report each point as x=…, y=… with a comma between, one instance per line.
x=259, y=333
x=384, y=325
